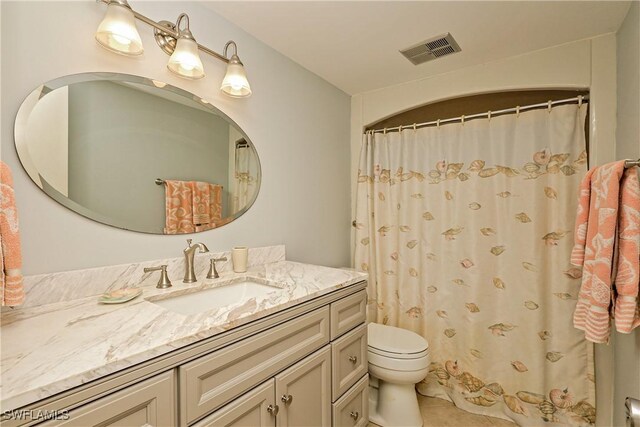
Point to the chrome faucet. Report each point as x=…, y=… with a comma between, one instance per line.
x=189, y=255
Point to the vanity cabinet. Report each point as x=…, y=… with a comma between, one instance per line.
x=213, y=380
x=148, y=403
x=312, y=392
x=302, y=366
x=298, y=396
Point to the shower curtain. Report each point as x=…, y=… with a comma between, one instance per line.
x=466, y=231
x=244, y=179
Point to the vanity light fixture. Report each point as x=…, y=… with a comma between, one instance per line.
x=118, y=33
x=185, y=59
x=235, y=81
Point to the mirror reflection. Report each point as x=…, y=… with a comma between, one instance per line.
x=136, y=153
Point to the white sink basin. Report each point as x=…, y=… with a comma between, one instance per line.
x=218, y=297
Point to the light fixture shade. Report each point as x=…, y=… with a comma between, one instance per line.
x=235, y=81
x=117, y=31
x=185, y=59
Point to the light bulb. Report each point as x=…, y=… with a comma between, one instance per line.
x=235, y=81
x=117, y=31
x=121, y=39
x=185, y=60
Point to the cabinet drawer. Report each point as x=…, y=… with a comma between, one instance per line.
x=348, y=313
x=352, y=409
x=148, y=403
x=249, y=410
x=349, y=360
x=213, y=380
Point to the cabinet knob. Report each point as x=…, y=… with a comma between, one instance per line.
x=354, y=415
x=353, y=359
x=287, y=399
x=273, y=409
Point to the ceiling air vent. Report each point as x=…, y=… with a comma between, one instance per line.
x=433, y=48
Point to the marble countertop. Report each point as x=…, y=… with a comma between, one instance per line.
x=52, y=348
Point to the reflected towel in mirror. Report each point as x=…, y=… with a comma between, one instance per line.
x=191, y=206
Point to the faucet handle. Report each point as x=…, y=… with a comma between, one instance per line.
x=189, y=242
x=164, y=281
x=213, y=272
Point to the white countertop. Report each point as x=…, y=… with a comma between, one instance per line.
x=52, y=348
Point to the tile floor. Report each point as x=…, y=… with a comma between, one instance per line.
x=442, y=413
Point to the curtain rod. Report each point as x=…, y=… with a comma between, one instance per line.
x=579, y=99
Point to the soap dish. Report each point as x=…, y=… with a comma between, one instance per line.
x=119, y=296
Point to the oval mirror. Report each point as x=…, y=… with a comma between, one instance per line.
x=136, y=153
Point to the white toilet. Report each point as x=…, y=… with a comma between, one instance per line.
x=398, y=359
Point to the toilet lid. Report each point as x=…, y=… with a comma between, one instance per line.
x=395, y=342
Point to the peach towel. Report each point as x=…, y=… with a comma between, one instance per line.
x=595, y=237
x=11, y=283
x=627, y=311
x=208, y=205
x=191, y=206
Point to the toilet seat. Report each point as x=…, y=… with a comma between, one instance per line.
x=400, y=365
x=397, y=343
x=393, y=355
x=396, y=349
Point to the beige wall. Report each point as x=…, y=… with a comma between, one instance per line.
x=584, y=64
x=627, y=347
x=298, y=122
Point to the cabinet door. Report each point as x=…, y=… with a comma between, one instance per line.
x=256, y=408
x=303, y=392
x=148, y=403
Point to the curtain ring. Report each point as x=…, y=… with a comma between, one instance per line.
x=400, y=129
x=489, y=115
x=580, y=101
x=384, y=131
x=517, y=111
x=462, y=119
x=438, y=123
x=549, y=106
x=415, y=127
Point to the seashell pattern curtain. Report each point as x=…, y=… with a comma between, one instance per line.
x=466, y=231
x=243, y=186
